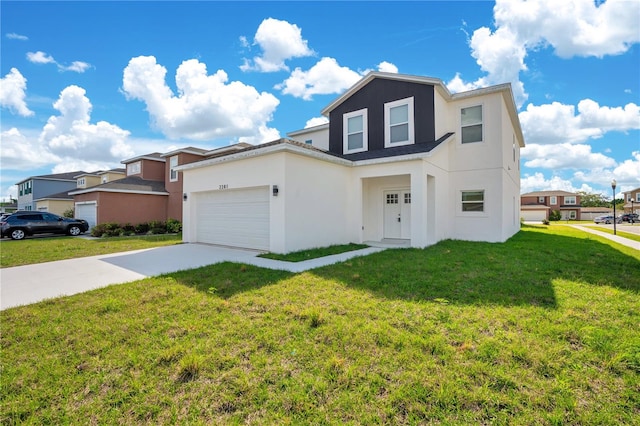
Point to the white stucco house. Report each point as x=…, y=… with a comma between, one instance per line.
x=402, y=159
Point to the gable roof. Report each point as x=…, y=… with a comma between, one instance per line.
x=154, y=156
x=129, y=184
x=547, y=193
x=70, y=176
x=441, y=88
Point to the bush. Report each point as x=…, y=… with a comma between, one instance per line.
x=555, y=215
x=174, y=226
x=69, y=213
x=142, y=228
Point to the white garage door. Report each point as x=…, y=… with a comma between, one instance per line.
x=88, y=212
x=533, y=215
x=235, y=217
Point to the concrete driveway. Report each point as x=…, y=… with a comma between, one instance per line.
x=22, y=285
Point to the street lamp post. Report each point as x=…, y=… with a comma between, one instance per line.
x=631, y=217
x=613, y=186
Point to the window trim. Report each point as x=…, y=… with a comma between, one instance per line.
x=553, y=200
x=345, y=131
x=472, y=212
x=134, y=168
x=481, y=106
x=173, y=174
x=574, y=201
x=410, y=122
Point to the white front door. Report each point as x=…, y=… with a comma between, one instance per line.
x=397, y=214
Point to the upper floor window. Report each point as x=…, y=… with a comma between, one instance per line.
x=553, y=200
x=471, y=124
x=105, y=179
x=309, y=142
x=133, y=168
x=637, y=197
x=570, y=199
x=173, y=163
x=472, y=201
x=355, y=131
x=81, y=183
x=541, y=200
x=398, y=123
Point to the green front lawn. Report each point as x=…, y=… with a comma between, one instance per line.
x=542, y=329
x=303, y=255
x=39, y=250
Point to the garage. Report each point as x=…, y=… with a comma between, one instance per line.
x=533, y=215
x=87, y=211
x=234, y=217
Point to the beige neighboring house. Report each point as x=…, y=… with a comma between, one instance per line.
x=632, y=201
x=537, y=206
x=590, y=213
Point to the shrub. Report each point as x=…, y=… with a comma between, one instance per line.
x=142, y=228
x=555, y=215
x=174, y=226
x=69, y=213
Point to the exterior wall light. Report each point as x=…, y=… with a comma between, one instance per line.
x=275, y=190
x=184, y=196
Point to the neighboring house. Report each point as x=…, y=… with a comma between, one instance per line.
x=55, y=203
x=406, y=161
x=37, y=187
x=9, y=207
x=632, y=201
x=87, y=180
x=537, y=206
x=590, y=213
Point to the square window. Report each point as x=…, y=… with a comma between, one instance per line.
x=392, y=198
x=472, y=201
x=471, y=124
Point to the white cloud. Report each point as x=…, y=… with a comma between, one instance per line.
x=279, y=41
x=12, y=93
x=15, y=36
x=207, y=106
x=20, y=152
x=385, y=66
x=564, y=156
x=538, y=182
x=558, y=123
x=316, y=121
x=325, y=77
x=628, y=172
x=40, y=58
x=44, y=58
x=70, y=135
x=570, y=27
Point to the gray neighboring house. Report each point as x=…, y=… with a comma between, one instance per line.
x=37, y=187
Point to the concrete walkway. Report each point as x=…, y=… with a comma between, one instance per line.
x=22, y=285
x=618, y=239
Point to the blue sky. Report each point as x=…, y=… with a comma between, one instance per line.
x=86, y=85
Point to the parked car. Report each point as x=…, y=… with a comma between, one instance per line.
x=629, y=217
x=606, y=219
x=23, y=223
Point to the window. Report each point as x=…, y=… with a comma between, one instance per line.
x=392, y=198
x=407, y=198
x=570, y=200
x=355, y=131
x=572, y=214
x=472, y=201
x=309, y=142
x=471, y=123
x=81, y=182
x=105, y=179
x=553, y=200
x=398, y=123
x=637, y=197
x=541, y=200
x=133, y=168
x=173, y=163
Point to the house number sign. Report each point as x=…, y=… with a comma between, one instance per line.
x=225, y=186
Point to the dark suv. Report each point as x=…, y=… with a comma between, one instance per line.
x=23, y=223
x=629, y=217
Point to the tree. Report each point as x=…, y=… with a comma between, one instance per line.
x=593, y=200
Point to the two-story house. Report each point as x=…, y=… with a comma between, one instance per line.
x=37, y=187
x=632, y=201
x=537, y=206
x=401, y=160
x=61, y=202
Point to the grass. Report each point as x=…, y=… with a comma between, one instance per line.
x=629, y=235
x=39, y=250
x=542, y=329
x=302, y=255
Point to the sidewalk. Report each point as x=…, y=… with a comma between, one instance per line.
x=618, y=239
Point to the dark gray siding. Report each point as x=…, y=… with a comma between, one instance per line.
x=373, y=97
